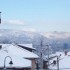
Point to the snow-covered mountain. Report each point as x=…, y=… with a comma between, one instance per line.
x=58, y=40
x=55, y=39
x=9, y=36
x=56, y=34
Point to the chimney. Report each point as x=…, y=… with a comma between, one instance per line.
x=65, y=53
x=0, y=46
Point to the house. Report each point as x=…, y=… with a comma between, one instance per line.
x=17, y=51
x=48, y=58
x=18, y=62
x=61, y=61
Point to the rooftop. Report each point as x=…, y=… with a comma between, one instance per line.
x=64, y=62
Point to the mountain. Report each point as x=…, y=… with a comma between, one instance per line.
x=9, y=36
x=57, y=40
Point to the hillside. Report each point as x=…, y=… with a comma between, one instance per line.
x=57, y=40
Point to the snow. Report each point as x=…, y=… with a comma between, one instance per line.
x=54, y=54
x=18, y=51
x=21, y=52
x=64, y=62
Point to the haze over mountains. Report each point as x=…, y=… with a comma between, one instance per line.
x=57, y=40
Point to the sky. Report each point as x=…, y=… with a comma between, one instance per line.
x=35, y=15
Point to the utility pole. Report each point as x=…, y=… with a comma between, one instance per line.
x=0, y=17
x=41, y=55
x=48, y=56
x=57, y=63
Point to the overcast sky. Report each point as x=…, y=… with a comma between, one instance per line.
x=35, y=15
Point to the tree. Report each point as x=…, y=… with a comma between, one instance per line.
x=40, y=43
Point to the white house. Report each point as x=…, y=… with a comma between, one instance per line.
x=63, y=62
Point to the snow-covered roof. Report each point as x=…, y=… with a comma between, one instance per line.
x=18, y=51
x=18, y=62
x=54, y=54
x=27, y=45
x=64, y=62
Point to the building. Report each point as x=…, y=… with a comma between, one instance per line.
x=61, y=61
x=25, y=58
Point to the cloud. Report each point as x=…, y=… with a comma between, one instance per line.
x=17, y=25
x=16, y=22
x=29, y=29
